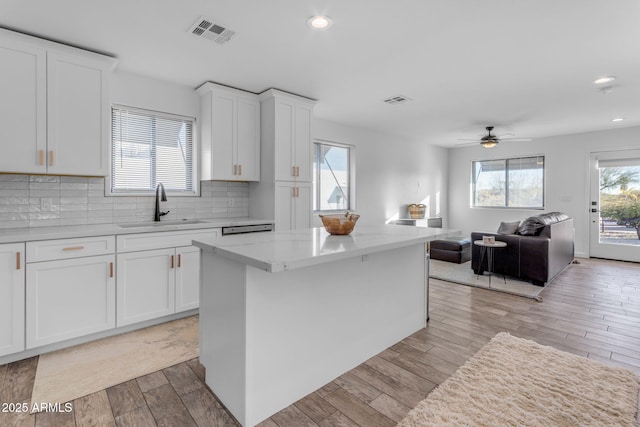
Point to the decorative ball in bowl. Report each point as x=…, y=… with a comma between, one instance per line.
x=339, y=224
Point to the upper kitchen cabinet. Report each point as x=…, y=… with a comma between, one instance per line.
x=287, y=129
x=54, y=112
x=230, y=134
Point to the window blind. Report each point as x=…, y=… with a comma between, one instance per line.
x=147, y=148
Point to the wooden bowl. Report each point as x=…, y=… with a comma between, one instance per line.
x=339, y=224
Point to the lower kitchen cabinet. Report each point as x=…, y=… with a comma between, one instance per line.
x=11, y=298
x=158, y=274
x=146, y=285
x=69, y=298
x=293, y=205
x=187, y=278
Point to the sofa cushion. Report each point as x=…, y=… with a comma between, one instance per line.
x=530, y=227
x=508, y=227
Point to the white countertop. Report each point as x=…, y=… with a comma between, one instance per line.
x=287, y=250
x=16, y=235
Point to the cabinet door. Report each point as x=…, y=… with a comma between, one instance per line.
x=23, y=120
x=146, y=285
x=284, y=140
x=11, y=298
x=248, y=140
x=302, y=206
x=284, y=215
x=223, y=135
x=78, y=116
x=187, y=278
x=69, y=298
x=302, y=146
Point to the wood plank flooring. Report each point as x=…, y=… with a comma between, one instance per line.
x=591, y=309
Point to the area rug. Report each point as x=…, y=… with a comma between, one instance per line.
x=65, y=375
x=463, y=274
x=516, y=382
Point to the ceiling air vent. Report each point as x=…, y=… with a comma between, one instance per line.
x=206, y=28
x=398, y=99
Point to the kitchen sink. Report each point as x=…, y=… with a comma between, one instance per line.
x=161, y=223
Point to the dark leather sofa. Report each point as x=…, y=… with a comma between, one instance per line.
x=541, y=247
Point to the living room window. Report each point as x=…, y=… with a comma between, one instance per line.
x=149, y=147
x=508, y=183
x=333, y=176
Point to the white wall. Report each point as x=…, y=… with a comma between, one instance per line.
x=135, y=90
x=391, y=172
x=567, y=179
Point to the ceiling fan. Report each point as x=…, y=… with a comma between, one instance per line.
x=490, y=140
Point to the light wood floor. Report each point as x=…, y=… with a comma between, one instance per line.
x=592, y=309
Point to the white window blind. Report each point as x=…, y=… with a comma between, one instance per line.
x=148, y=148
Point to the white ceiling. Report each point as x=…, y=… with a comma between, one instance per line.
x=526, y=67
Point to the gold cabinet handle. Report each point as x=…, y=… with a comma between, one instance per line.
x=293, y=171
x=179, y=260
x=41, y=157
x=110, y=269
x=73, y=248
x=172, y=261
x=239, y=169
x=297, y=170
x=17, y=260
x=235, y=169
x=51, y=158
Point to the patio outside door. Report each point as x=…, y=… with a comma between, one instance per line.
x=615, y=205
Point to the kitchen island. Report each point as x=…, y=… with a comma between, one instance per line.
x=283, y=313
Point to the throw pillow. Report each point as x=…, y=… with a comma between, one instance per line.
x=508, y=227
x=530, y=227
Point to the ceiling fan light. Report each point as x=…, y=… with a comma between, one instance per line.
x=603, y=80
x=489, y=143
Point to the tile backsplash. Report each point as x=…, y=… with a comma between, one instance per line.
x=38, y=201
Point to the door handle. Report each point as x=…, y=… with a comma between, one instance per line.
x=18, y=261
x=73, y=248
x=239, y=169
x=51, y=158
x=179, y=260
x=172, y=261
x=41, y=157
x=110, y=270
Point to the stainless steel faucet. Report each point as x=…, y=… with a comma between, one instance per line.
x=160, y=196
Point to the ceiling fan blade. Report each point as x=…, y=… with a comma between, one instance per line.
x=517, y=139
x=469, y=139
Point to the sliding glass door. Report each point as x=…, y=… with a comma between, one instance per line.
x=615, y=205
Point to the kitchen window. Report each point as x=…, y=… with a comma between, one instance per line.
x=148, y=148
x=508, y=183
x=333, y=177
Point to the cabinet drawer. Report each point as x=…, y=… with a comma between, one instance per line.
x=166, y=239
x=48, y=250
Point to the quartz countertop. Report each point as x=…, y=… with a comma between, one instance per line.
x=15, y=235
x=287, y=250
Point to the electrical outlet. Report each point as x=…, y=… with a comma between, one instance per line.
x=45, y=204
x=231, y=203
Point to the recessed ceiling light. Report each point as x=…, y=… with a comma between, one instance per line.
x=603, y=80
x=319, y=22
x=617, y=119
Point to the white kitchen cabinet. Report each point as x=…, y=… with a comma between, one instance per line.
x=11, y=298
x=187, y=278
x=158, y=274
x=146, y=285
x=292, y=138
x=293, y=205
x=69, y=298
x=23, y=117
x=284, y=192
x=55, y=107
x=230, y=134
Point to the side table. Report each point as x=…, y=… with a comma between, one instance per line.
x=488, y=249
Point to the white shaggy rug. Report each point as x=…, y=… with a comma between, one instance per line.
x=516, y=382
x=464, y=275
x=65, y=375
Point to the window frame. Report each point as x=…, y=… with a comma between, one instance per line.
x=195, y=186
x=316, y=178
x=506, y=183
